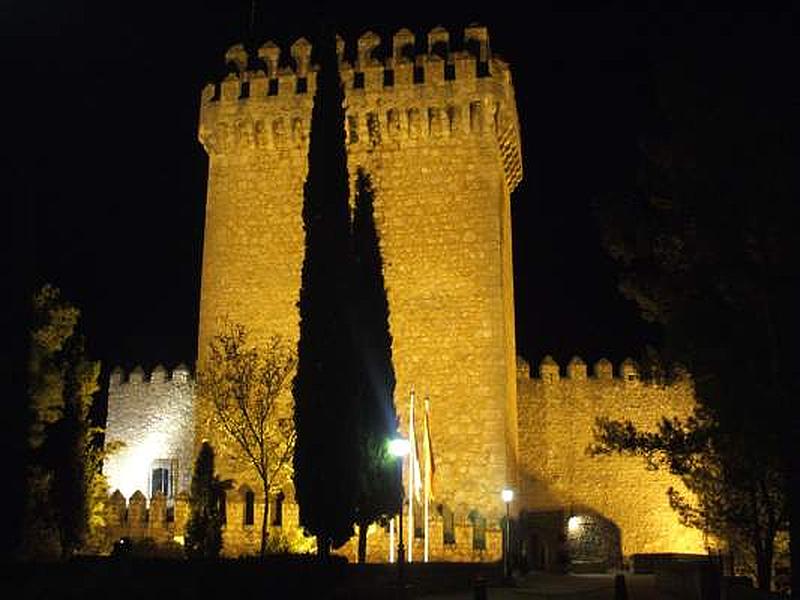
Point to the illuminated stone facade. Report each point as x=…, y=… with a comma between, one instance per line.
x=439, y=134
x=154, y=418
x=556, y=419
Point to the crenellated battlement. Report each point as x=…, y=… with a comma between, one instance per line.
x=164, y=520
x=180, y=374
x=394, y=96
x=550, y=372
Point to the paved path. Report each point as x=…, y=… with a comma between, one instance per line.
x=543, y=586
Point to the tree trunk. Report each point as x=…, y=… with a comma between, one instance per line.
x=264, y=518
x=362, y=542
x=323, y=548
x=764, y=564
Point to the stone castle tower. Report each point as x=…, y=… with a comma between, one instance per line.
x=439, y=134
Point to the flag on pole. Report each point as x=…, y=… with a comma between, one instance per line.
x=427, y=451
x=427, y=458
x=415, y=482
x=414, y=479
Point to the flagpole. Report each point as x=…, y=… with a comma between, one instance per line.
x=411, y=472
x=427, y=490
x=391, y=540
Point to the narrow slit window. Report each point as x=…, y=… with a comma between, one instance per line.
x=277, y=515
x=249, y=508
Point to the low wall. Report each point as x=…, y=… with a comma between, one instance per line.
x=165, y=520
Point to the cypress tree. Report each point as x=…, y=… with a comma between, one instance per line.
x=325, y=457
x=204, y=528
x=379, y=485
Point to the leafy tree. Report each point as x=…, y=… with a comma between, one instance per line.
x=704, y=244
x=248, y=387
x=737, y=492
x=61, y=440
x=72, y=449
x=204, y=527
x=324, y=388
x=379, y=486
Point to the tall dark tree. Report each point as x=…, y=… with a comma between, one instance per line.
x=379, y=486
x=61, y=454
x=324, y=388
x=704, y=245
x=204, y=527
x=72, y=449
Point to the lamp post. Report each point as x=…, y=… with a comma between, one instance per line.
x=507, y=495
x=399, y=448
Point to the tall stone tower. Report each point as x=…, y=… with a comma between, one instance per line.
x=439, y=134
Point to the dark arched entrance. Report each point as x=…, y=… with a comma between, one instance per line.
x=593, y=543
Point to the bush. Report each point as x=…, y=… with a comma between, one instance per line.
x=147, y=548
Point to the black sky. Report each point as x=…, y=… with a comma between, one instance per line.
x=107, y=179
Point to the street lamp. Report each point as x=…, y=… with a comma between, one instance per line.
x=507, y=495
x=400, y=448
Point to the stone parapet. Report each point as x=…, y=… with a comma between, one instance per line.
x=403, y=98
x=165, y=521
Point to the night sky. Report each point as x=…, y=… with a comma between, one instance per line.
x=107, y=179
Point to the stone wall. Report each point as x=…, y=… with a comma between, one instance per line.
x=556, y=419
x=165, y=521
x=154, y=418
x=439, y=134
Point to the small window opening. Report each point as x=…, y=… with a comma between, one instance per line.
x=272, y=87
x=448, y=525
x=302, y=85
x=358, y=81
x=249, y=508
x=277, y=515
x=388, y=78
x=478, y=530
x=244, y=91
x=449, y=72
x=419, y=74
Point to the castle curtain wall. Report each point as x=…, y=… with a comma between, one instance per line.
x=154, y=418
x=556, y=419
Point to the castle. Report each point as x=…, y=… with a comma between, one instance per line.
x=439, y=135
